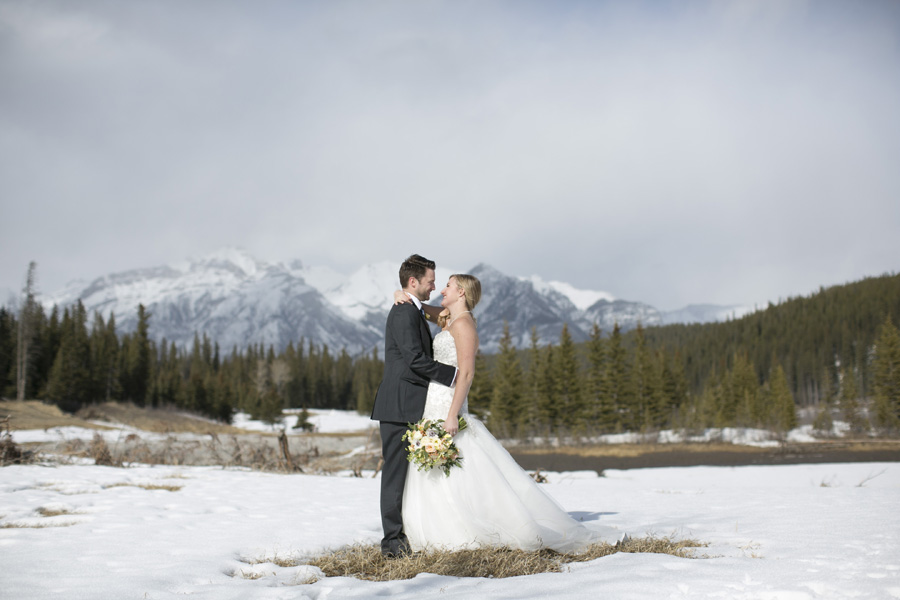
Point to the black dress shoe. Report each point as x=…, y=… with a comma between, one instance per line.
x=399, y=551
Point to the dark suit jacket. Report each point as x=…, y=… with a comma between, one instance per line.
x=408, y=367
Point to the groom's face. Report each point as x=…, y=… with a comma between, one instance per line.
x=424, y=287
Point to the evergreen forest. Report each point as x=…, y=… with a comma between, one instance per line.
x=837, y=351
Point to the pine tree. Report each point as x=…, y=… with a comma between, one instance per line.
x=223, y=395
x=618, y=379
x=506, y=397
x=105, y=359
x=656, y=413
x=740, y=402
x=886, y=377
x=640, y=411
x=196, y=394
x=823, y=424
x=311, y=379
x=570, y=405
x=343, y=382
x=780, y=401
x=481, y=391
x=366, y=378
x=42, y=351
x=24, y=350
x=8, y=327
x=851, y=410
x=51, y=335
x=750, y=410
x=675, y=388
x=548, y=418
x=293, y=390
x=168, y=376
x=705, y=410
x=325, y=379
x=135, y=366
x=598, y=412
x=527, y=415
x=70, y=383
x=266, y=403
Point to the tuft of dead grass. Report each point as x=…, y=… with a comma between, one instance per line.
x=281, y=561
x=54, y=512
x=10, y=453
x=146, y=486
x=366, y=562
x=253, y=575
x=99, y=451
x=43, y=525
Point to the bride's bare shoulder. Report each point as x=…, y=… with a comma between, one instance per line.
x=464, y=329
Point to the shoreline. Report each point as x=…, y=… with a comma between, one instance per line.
x=644, y=456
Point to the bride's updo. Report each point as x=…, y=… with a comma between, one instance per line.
x=472, y=288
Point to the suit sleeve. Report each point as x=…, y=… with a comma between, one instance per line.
x=410, y=345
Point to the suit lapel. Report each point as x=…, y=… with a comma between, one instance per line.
x=426, y=338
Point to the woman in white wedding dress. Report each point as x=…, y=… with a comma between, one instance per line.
x=489, y=500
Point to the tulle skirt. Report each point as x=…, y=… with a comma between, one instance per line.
x=489, y=501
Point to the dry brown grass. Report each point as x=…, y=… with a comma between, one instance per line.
x=146, y=486
x=99, y=451
x=43, y=525
x=10, y=453
x=281, y=561
x=33, y=414
x=156, y=420
x=54, y=512
x=632, y=450
x=366, y=562
x=251, y=575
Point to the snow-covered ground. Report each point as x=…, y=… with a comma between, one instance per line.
x=775, y=532
x=325, y=421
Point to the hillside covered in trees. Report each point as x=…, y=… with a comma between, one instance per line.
x=838, y=350
x=74, y=363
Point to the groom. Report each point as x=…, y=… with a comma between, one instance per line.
x=408, y=367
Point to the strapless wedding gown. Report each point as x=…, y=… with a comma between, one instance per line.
x=490, y=500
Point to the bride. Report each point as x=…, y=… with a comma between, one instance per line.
x=490, y=500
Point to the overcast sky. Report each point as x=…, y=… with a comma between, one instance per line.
x=666, y=152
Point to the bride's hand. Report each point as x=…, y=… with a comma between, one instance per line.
x=451, y=425
x=400, y=297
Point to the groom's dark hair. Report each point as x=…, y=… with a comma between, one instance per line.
x=414, y=266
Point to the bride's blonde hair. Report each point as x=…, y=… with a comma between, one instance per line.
x=471, y=287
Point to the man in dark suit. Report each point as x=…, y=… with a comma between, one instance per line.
x=408, y=367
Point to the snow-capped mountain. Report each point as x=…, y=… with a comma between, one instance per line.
x=363, y=296
x=233, y=298
x=238, y=300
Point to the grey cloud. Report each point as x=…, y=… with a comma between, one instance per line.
x=697, y=152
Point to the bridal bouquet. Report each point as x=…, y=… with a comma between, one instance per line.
x=430, y=446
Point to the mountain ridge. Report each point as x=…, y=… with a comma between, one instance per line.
x=238, y=300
